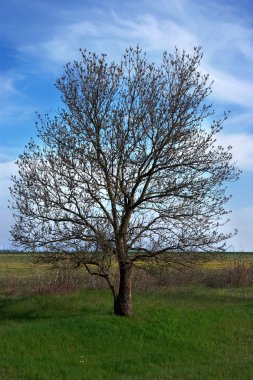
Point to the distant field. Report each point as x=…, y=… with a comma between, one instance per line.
x=22, y=265
x=17, y=264
x=228, y=259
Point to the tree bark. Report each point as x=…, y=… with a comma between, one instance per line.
x=123, y=300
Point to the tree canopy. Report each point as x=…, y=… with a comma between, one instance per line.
x=129, y=170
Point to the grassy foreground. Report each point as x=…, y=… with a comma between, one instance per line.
x=186, y=334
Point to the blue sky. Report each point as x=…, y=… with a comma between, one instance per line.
x=38, y=37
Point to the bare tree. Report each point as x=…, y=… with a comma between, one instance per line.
x=128, y=171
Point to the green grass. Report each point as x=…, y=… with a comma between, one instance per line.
x=184, y=334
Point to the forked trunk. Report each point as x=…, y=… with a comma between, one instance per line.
x=123, y=300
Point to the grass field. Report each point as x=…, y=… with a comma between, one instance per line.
x=178, y=333
x=181, y=334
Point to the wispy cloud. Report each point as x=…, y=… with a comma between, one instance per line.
x=242, y=121
x=181, y=23
x=9, y=154
x=14, y=113
x=155, y=34
x=242, y=151
x=5, y=227
x=231, y=89
x=65, y=44
x=6, y=85
x=14, y=107
x=6, y=170
x=241, y=219
x=147, y=30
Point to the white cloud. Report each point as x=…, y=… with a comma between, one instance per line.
x=240, y=36
x=242, y=120
x=13, y=102
x=6, y=170
x=181, y=23
x=231, y=89
x=114, y=33
x=242, y=151
x=156, y=34
x=6, y=216
x=241, y=219
x=66, y=44
x=9, y=154
x=13, y=112
x=7, y=84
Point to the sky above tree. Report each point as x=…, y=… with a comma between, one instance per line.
x=38, y=37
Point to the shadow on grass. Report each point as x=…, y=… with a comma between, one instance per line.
x=200, y=296
x=51, y=307
x=95, y=304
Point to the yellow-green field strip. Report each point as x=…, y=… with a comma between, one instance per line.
x=19, y=264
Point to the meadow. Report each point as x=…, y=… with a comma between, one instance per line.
x=184, y=331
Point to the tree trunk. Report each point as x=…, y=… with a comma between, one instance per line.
x=123, y=301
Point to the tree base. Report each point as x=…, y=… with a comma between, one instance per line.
x=123, y=307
